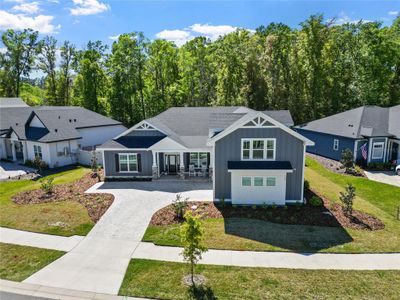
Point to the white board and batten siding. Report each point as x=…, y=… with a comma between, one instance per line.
x=85, y=157
x=95, y=136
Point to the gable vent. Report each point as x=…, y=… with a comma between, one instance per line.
x=59, y=117
x=56, y=130
x=16, y=124
x=70, y=120
x=74, y=120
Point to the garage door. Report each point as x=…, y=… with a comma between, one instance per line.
x=258, y=187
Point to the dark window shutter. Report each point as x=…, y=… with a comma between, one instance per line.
x=139, y=163
x=117, y=162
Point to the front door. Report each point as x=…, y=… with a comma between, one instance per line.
x=172, y=163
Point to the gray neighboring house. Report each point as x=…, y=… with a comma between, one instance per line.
x=253, y=157
x=371, y=132
x=56, y=134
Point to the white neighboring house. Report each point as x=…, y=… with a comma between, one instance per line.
x=57, y=134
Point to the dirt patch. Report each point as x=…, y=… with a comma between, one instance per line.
x=96, y=204
x=325, y=215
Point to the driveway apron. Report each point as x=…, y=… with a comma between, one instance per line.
x=98, y=263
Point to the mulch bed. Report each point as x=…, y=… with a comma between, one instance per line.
x=96, y=204
x=326, y=215
x=330, y=164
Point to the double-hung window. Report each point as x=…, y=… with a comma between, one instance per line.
x=258, y=149
x=336, y=144
x=128, y=162
x=377, y=150
x=37, y=150
x=198, y=159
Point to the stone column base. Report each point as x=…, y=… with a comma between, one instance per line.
x=155, y=172
x=182, y=172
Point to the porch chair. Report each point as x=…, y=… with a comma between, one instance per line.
x=203, y=171
x=192, y=171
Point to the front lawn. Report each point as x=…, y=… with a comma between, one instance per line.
x=44, y=217
x=159, y=279
x=19, y=262
x=374, y=198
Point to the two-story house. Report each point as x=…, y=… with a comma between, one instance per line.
x=252, y=157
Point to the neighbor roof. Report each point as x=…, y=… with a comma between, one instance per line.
x=61, y=122
x=12, y=102
x=364, y=121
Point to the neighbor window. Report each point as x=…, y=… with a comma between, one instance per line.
x=246, y=181
x=128, y=163
x=258, y=149
x=377, y=150
x=198, y=159
x=335, y=144
x=37, y=151
x=258, y=181
x=271, y=181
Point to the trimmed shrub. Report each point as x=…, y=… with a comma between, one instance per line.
x=315, y=201
x=47, y=185
x=179, y=206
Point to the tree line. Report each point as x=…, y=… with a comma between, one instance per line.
x=315, y=70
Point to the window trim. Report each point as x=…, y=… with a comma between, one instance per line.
x=373, y=150
x=266, y=181
x=127, y=156
x=35, y=148
x=335, y=144
x=251, y=140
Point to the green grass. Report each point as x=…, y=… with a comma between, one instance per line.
x=39, y=217
x=19, y=262
x=375, y=198
x=159, y=279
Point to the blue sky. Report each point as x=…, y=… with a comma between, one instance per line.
x=81, y=20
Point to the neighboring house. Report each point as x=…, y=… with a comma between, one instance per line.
x=253, y=157
x=12, y=102
x=54, y=133
x=372, y=133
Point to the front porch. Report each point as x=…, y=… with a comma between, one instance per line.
x=172, y=165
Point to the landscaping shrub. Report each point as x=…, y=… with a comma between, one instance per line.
x=180, y=206
x=315, y=201
x=379, y=166
x=306, y=185
x=347, y=199
x=29, y=163
x=347, y=160
x=47, y=185
x=39, y=164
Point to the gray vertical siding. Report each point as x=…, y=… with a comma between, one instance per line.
x=146, y=158
x=324, y=144
x=288, y=148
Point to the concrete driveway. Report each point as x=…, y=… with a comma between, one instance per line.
x=98, y=263
x=10, y=170
x=388, y=177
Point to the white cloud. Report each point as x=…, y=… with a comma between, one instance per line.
x=27, y=8
x=114, y=37
x=88, y=7
x=41, y=23
x=3, y=50
x=393, y=13
x=211, y=31
x=343, y=19
x=179, y=37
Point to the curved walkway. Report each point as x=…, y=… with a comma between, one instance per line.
x=97, y=263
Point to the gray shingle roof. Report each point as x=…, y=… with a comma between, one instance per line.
x=12, y=102
x=364, y=121
x=61, y=122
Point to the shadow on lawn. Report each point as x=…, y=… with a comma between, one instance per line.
x=201, y=293
x=299, y=238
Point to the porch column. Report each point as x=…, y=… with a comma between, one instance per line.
x=211, y=164
x=155, y=167
x=14, y=153
x=181, y=165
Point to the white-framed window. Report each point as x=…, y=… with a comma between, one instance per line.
x=258, y=181
x=271, y=181
x=198, y=159
x=377, y=150
x=336, y=144
x=128, y=162
x=37, y=150
x=246, y=181
x=258, y=149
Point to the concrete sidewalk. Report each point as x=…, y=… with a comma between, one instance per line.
x=276, y=259
x=26, y=238
x=11, y=289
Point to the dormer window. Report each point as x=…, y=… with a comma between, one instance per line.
x=258, y=149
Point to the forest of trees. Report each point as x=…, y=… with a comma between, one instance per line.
x=315, y=70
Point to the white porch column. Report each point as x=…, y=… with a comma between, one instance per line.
x=24, y=151
x=14, y=154
x=181, y=165
x=155, y=167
